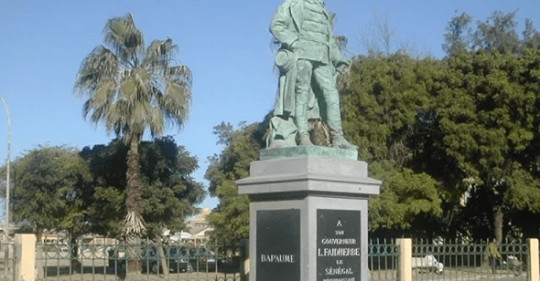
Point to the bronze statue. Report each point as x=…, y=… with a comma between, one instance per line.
x=308, y=60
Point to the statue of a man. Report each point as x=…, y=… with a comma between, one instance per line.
x=308, y=61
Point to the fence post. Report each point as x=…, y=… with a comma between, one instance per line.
x=26, y=257
x=534, y=263
x=244, y=260
x=405, y=259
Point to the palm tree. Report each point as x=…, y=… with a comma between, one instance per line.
x=130, y=89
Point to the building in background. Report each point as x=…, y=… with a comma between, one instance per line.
x=199, y=228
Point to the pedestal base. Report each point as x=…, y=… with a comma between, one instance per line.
x=308, y=218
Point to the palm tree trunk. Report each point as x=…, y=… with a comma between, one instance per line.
x=133, y=223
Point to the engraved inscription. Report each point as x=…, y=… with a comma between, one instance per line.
x=278, y=245
x=338, y=245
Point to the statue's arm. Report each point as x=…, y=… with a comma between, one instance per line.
x=338, y=59
x=282, y=26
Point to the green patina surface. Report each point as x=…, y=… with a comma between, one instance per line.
x=308, y=151
x=309, y=61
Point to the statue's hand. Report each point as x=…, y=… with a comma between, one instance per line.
x=343, y=68
x=346, y=61
x=293, y=46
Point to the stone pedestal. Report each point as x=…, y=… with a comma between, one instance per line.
x=308, y=215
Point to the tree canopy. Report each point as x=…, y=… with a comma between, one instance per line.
x=242, y=145
x=170, y=192
x=52, y=191
x=381, y=105
x=82, y=192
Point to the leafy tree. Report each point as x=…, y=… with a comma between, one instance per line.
x=53, y=188
x=108, y=166
x=169, y=191
x=130, y=89
x=458, y=35
x=381, y=105
x=489, y=96
x=531, y=37
x=231, y=217
x=497, y=33
x=409, y=203
x=487, y=120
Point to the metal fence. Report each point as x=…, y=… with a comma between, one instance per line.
x=458, y=260
x=448, y=261
x=429, y=260
x=7, y=260
x=107, y=262
x=383, y=260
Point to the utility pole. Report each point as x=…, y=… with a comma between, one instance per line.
x=8, y=180
x=8, y=160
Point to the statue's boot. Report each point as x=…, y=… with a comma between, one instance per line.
x=336, y=130
x=305, y=140
x=339, y=141
x=302, y=125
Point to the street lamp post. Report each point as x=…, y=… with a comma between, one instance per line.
x=8, y=160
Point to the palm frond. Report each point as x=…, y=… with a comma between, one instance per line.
x=159, y=55
x=101, y=64
x=176, y=102
x=131, y=89
x=182, y=74
x=114, y=118
x=125, y=39
x=98, y=104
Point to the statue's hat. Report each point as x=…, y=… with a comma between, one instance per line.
x=285, y=60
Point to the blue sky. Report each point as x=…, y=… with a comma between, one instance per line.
x=226, y=44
